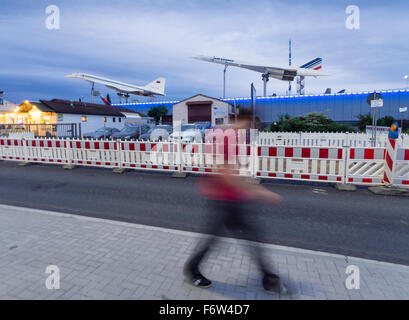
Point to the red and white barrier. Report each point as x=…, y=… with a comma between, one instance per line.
x=205, y=158
x=149, y=155
x=12, y=150
x=298, y=163
x=46, y=151
x=365, y=166
x=94, y=153
x=390, y=158
x=401, y=168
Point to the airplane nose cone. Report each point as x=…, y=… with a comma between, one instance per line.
x=201, y=57
x=73, y=75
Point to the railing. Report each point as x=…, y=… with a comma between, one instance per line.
x=60, y=130
x=356, y=165
x=327, y=139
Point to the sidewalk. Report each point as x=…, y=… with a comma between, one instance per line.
x=101, y=259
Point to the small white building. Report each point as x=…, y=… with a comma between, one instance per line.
x=89, y=116
x=200, y=108
x=6, y=106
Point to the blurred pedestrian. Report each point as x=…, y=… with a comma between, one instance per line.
x=227, y=195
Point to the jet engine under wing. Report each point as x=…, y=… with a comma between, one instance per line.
x=280, y=73
x=156, y=87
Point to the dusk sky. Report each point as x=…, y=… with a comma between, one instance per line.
x=138, y=41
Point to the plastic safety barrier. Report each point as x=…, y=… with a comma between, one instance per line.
x=149, y=155
x=12, y=149
x=205, y=158
x=96, y=153
x=365, y=166
x=401, y=171
x=298, y=163
x=46, y=151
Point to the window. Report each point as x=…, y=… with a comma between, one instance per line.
x=84, y=118
x=219, y=121
x=113, y=119
x=105, y=119
x=119, y=119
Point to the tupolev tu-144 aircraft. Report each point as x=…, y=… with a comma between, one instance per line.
x=154, y=88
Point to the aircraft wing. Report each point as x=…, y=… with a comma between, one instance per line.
x=122, y=87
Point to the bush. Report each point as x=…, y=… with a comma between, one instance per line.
x=158, y=112
x=312, y=122
x=386, y=121
x=364, y=120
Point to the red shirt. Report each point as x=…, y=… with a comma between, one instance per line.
x=214, y=188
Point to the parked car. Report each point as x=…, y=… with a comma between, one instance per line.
x=101, y=133
x=131, y=132
x=203, y=126
x=187, y=133
x=158, y=133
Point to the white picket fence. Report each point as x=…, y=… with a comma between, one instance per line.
x=337, y=164
x=327, y=139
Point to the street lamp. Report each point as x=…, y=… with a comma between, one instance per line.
x=406, y=77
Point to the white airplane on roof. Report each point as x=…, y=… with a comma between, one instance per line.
x=154, y=88
x=310, y=69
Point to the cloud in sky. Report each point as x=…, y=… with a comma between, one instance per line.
x=137, y=41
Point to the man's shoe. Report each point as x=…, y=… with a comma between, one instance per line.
x=198, y=281
x=273, y=284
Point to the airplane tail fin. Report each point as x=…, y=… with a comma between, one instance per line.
x=315, y=64
x=157, y=86
x=108, y=103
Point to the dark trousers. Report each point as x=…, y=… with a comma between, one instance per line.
x=232, y=216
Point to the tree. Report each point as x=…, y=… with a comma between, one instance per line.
x=386, y=121
x=245, y=113
x=366, y=120
x=363, y=121
x=158, y=112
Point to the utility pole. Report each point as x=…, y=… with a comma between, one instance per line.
x=289, y=64
x=224, y=81
x=253, y=105
x=265, y=78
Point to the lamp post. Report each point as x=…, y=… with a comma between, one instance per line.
x=406, y=77
x=402, y=112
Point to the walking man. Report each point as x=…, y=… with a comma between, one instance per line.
x=227, y=196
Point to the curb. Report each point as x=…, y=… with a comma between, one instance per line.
x=389, y=191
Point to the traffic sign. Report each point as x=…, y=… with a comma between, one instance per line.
x=372, y=97
x=376, y=103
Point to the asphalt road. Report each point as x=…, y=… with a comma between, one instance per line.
x=316, y=217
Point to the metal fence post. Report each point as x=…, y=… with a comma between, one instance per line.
x=253, y=151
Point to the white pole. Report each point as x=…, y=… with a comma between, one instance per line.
x=224, y=81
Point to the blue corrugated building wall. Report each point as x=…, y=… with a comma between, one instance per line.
x=342, y=107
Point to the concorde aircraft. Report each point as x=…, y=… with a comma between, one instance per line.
x=309, y=69
x=154, y=88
